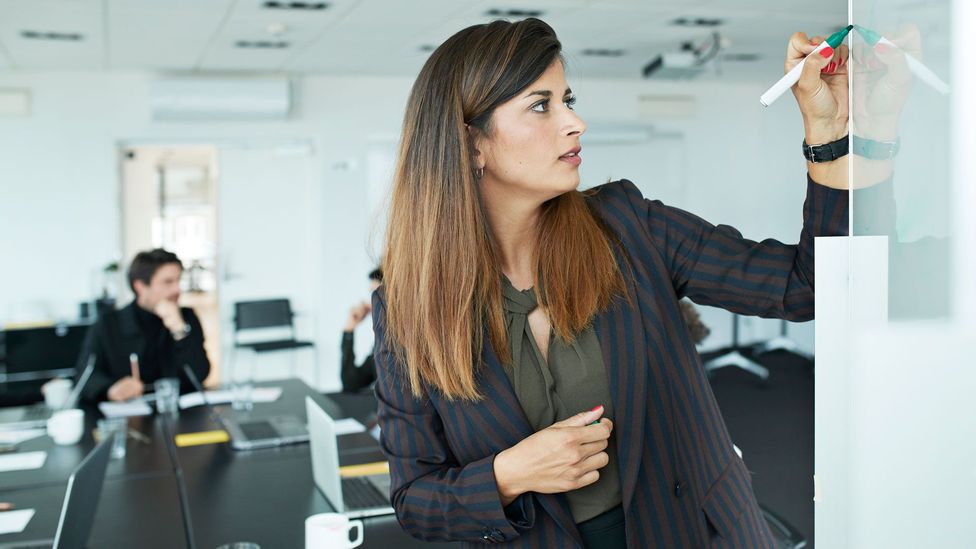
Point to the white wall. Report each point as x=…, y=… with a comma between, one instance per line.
x=60, y=214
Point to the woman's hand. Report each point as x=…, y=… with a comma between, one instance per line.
x=821, y=91
x=562, y=457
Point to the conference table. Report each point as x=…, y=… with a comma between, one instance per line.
x=259, y=496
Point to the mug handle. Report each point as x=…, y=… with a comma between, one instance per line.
x=358, y=525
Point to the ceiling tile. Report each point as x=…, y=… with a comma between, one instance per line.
x=82, y=17
x=141, y=32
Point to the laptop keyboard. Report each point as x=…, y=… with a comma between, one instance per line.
x=259, y=430
x=359, y=493
x=35, y=413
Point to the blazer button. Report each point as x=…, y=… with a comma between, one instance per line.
x=679, y=489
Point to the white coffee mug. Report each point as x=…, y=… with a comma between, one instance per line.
x=56, y=392
x=66, y=426
x=331, y=531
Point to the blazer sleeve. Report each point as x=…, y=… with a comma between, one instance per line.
x=435, y=497
x=354, y=378
x=190, y=351
x=715, y=265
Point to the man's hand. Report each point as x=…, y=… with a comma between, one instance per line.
x=169, y=313
x=357, y=313
x=124, y=389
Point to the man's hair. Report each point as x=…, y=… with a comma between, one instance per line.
x=376, y=274
x=145, y=264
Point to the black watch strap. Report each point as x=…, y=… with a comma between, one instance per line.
x=827, y=152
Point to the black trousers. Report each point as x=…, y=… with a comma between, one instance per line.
x=604, y=531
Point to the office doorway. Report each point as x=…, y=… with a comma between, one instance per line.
x=169, y=200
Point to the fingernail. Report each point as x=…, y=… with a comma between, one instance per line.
x=597, y=407
x=826, y=52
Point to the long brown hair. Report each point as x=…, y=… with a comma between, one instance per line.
x=441, y=274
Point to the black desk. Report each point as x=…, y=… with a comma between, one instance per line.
x=262, y=496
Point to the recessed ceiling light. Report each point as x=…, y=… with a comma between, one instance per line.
x=55, y=36
x=261, y=44
x=696, y=22
x=602, y=52
x=513, y=13
x=276, y=29
x=311, y=6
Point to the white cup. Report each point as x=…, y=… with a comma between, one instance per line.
x=66, y=426
x=56, y=392
x=331, y=531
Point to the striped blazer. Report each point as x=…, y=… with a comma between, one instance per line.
x=682, y=483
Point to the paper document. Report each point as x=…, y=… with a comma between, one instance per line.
x=22, y=461
x=348, y=426
x=21, y=435
x=224, y=396
x=14, y=522
x=136, y=407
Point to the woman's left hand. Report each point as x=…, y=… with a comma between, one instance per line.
x=821, y=91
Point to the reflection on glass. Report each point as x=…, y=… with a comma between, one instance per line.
x=901, y=131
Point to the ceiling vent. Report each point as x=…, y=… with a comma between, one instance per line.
x=261, y=44
x=52, y=36
x=602, y=52
x=696, y=22
x=298, y=6
x=514, y=13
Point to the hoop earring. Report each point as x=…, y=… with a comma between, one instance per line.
x=479, y=173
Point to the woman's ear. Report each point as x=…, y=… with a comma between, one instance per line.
x=476, y=143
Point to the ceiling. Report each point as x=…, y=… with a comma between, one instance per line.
x=385, y=37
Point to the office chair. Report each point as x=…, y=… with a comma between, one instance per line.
x=735, y=358
x=780, y=343
x=269, y=313
x=784, y=534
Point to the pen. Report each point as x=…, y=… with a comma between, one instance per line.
x=134, y=366
x=792, y=77
x=918, y=69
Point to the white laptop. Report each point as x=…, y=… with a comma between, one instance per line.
x=355, y=497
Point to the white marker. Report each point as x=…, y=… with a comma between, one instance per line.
x=792, y=77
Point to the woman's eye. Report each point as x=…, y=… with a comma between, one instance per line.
x=541, y=106
x=570, y=101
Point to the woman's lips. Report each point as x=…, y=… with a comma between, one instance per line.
x=573, y=158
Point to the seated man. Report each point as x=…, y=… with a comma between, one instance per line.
x=149, y=339
x=358, y=378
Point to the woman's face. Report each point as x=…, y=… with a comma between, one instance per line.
x=533, y=146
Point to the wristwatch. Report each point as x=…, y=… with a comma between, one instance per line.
x=876, y=150
x=827, y=152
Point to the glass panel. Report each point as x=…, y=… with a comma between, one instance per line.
x=900, y=118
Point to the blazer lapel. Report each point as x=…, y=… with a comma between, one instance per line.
x=621, y=335
x=502, y=404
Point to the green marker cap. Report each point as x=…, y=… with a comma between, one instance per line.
x=835, y=39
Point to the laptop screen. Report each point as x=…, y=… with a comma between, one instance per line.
x=325, y=454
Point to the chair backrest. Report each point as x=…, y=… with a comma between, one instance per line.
x=264, y=313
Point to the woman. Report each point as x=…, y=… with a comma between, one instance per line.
x=513, y=303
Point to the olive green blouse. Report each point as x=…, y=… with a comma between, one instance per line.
x=573, y=380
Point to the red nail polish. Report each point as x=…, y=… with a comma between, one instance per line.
x=826, y=52
x=595, y=408
x=881, y=48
